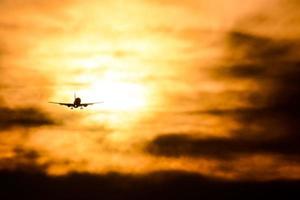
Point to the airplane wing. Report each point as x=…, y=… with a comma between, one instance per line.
x=87, y=104
x=63, y=104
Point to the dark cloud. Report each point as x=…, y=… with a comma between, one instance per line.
x=176, y=145
x=157, y=185
x=24, y=160
x=23, y=117
x=275, y=69
x=259, y=48
x=244, y=71
x=258, y=57
x=271, y=122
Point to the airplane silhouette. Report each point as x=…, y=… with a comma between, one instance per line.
x=76, y=104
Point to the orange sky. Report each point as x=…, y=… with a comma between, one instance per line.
x=182, y=82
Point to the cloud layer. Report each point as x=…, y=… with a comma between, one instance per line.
x=212, y=87
x=158, y=185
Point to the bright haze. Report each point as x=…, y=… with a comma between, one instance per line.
x=197, y=88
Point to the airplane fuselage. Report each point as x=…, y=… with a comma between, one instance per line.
x=77, y=102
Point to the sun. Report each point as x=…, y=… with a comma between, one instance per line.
x=121, y=96
x=117, y=95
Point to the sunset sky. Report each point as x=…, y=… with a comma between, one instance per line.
x=208, y=88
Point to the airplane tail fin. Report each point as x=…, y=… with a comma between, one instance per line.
x=74, y=95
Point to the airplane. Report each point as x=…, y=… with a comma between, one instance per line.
x=76, y=104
